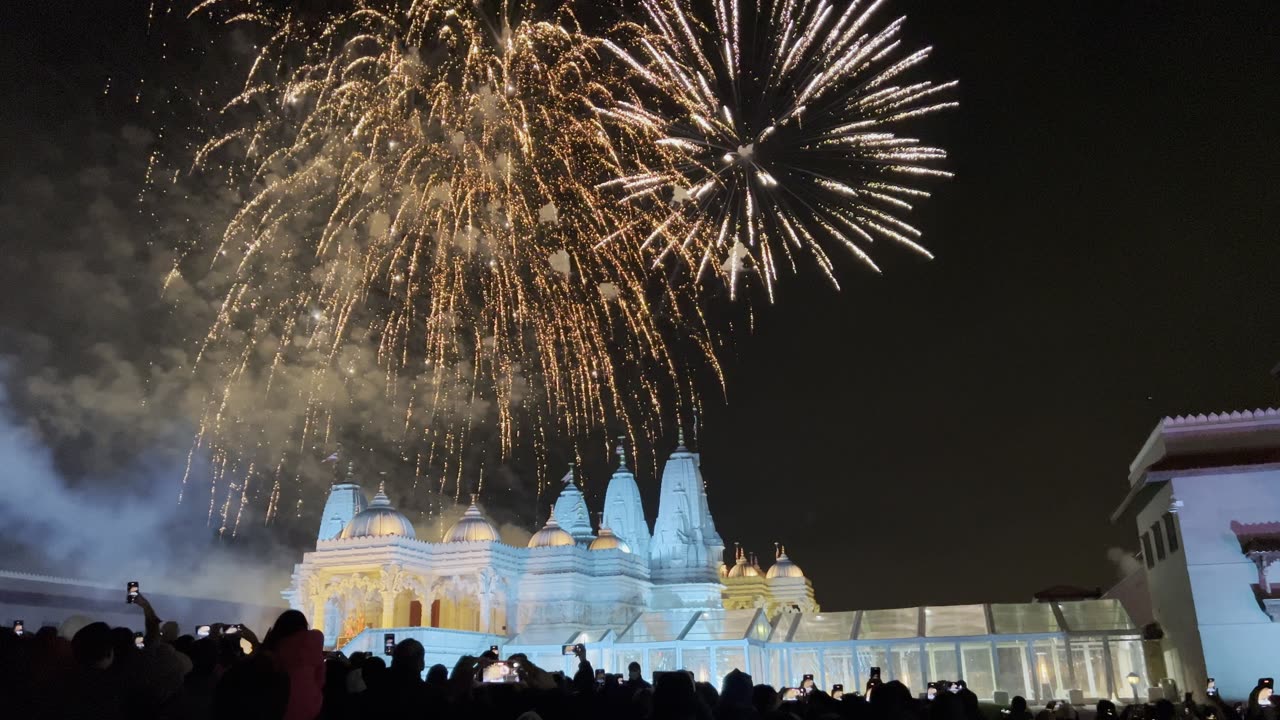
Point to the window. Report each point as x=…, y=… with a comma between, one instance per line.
x=1171, y=532
x=1159, y=538
x=1146, y=551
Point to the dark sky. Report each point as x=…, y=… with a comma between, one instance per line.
x=959, y=430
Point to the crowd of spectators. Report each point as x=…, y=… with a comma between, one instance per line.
x=94, y=671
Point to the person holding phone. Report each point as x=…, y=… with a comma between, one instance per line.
x=299, y=651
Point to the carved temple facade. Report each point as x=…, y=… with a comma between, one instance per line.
x=370, y=570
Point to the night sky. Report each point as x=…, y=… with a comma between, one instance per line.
x=958, y=429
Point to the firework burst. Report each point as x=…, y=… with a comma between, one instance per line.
x=779, y=121
x=424, y=202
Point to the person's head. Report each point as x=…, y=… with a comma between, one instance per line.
x=290, y=622
x=122, y=643
x=1106, y=709
x=707, y=693
x=674, y=695
x=92, y=647
x=633, y=671
x=1019, y=705
x=409, y=657
x=438, y=675
x=735, y=690
x=764, y=698
x=1164, y=710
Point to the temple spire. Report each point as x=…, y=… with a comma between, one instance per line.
x=622, y=453
x=680, y=439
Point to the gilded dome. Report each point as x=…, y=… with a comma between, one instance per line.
x=551, y=535
x=471, y=527
x=378, y=520
x=741, y=568
x=784, y=568
x=609, y=541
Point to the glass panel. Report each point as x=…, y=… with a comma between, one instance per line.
x=895, y=623
x=977, y=669
x=1019, y=618
x=625, y=656
x=1013, y=677
x=943, y=664
x=838, y=667
x=823, y=627
x=1050, y=657
x=870, y=656
x=698, y=662
x=660, y=626
x=721, y=625
x=954, y=620
x=774, y=676
x=661, y=660
x=729, y=658
x=1093, y=615
x=904, y=665
x=803, y=662
x=1127, y=657
x=755, y=657
x=1090, y=667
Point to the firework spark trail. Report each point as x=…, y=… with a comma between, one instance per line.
x=778, y=121
x=423, y=199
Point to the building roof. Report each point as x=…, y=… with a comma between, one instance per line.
x=1189, y=445
x=471, y=527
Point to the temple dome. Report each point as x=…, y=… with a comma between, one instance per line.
x=609, y=541
x=551, y=535
x=741, y=567
x=784, y=568
x=471, y=527
x=378, y=520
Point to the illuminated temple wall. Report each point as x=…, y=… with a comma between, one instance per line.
x=1204, y=491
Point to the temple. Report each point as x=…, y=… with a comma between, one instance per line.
x=666, y=598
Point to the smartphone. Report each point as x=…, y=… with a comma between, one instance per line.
x=230, y=629
x=837, y=688
x=932, y=692
x=493, y=649
x=875, y=673
x=388, y=643
x=202, y=631
x=573, y=649
x=138, y=641
x=790, y=694
x=499, y=672
x=131, y=592
x=18, y=627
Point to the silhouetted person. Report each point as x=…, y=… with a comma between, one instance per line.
x=299, y=652
x=675, y=698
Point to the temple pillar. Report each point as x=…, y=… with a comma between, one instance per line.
x=486, y=618
x=317, y=617
x=388, y=610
